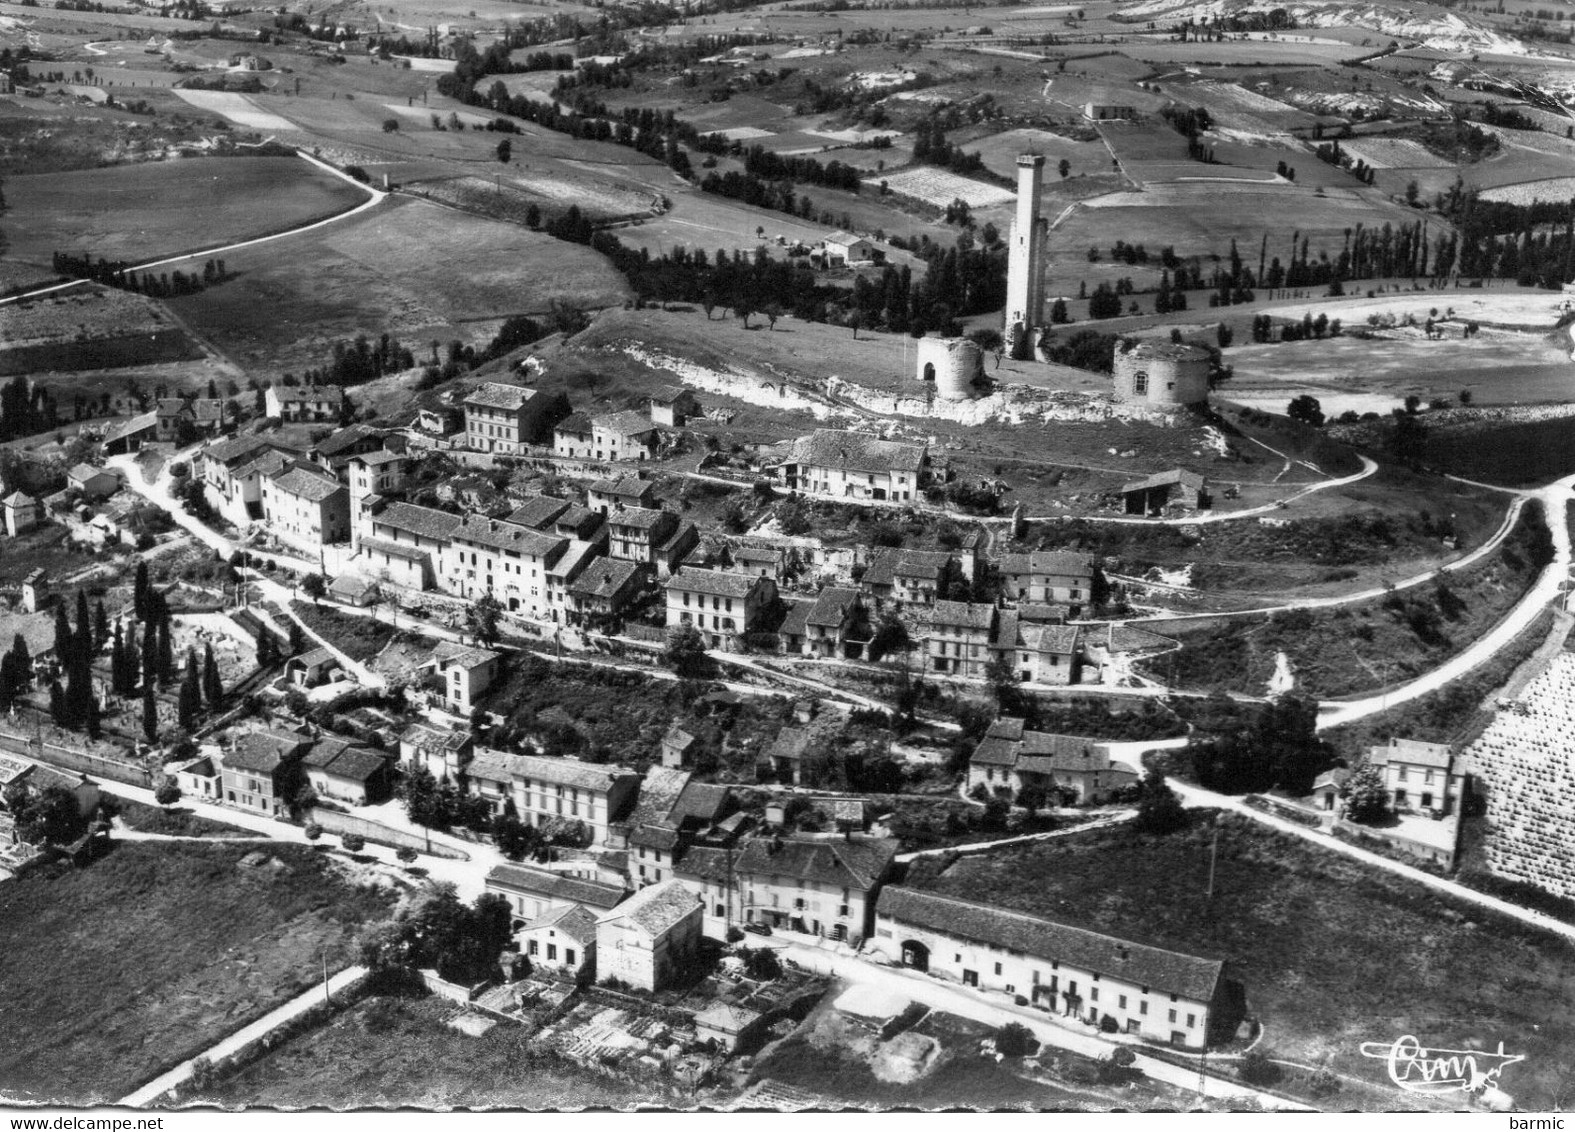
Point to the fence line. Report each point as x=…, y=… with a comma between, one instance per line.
x=332, y=821
x=82, y=761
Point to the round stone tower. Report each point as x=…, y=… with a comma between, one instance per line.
x=1161, y=373
x=953, y=364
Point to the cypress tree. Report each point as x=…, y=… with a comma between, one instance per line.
x=100, y=626
x=150, y=654
x=190, y=701
x=92, y=720
x=140, y=594
x=117, y=661
x=267, y=651
x=24, y=662
x=150, y=713
x=166, y=652
x=63, y=642
x=212, y=686
x=193, y=673
x=57, y=702
x=132, y=659
x=7, y=681
x=84, y=633
x=79, y=690
x=297, y=642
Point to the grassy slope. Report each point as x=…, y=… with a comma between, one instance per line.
x=412, y=268
x=111, y=974
x=1331, y=953
x=164, y=208
x=1348, y=649
x=392, y=1052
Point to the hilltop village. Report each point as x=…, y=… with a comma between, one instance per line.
x=785, y=556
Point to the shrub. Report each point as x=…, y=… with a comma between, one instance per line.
x=406, y=854
x=1257, y=1069
x=1015, y=1040
x=312, y=830
x=353, y=842
x=1108, y=1025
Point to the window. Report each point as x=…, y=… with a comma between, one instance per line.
x=1140, y=383
x=997, y=968
x=1192, y=1020
x=1172, y=1015
x=1122, y=1002
x=552, y=951
x=1143, y=1008
x=533, y=947
x=1093, y=994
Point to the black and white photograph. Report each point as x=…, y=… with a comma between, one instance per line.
x=786, y=556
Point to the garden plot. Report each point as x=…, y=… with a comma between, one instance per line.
x=86, y=311
x=940, y=187
x=236, y=107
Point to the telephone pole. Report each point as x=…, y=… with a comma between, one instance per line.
x=1214, y=852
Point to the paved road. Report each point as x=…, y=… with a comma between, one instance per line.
x=242, y=1037
x=376, y=197
x=1021, y=839
x=158, y=492
x=1197, y=796
x=994, y=1012
x=1550, y=587
x=1511, y=517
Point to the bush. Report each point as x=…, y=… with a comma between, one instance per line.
x=1108, y=1025
x=1257, y=1069
x=1015, y=1040
x=312, y=830
x=353, y=842
x=406, y=854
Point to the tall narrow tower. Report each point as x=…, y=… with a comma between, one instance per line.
x=1025, y=272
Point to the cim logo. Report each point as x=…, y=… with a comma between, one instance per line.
x=1419, y=1069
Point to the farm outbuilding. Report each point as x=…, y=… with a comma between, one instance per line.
x=844, y=248
x=1164, y=490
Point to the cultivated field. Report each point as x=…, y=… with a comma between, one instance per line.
x=151, y=211
x=1000, y=153
x=237, y=108
x=1394, y=153
x=1377, y=374
x=1330, y=952
x=113, y=973
x=1553, y=189
x=940, y=187
x=414, y=269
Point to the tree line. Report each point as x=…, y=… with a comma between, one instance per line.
x=25, y=409
x=120, y=274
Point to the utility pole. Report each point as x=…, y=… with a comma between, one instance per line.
x=327, y=995
x=1214, y=852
